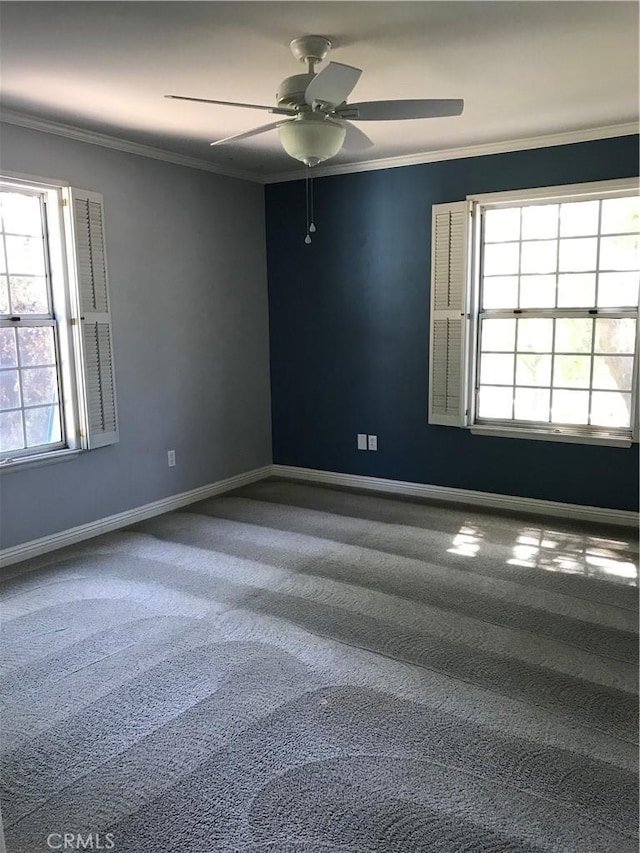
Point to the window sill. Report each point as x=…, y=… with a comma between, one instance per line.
x=22, y=462
x=542, y=435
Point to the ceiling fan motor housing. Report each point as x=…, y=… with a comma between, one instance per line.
x=291, y=90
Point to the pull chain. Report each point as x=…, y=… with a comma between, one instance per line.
x=308, y=185
x=307, y=239
x=312, y=227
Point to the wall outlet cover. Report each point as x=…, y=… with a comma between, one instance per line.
x=373, y=442
x=362, y=441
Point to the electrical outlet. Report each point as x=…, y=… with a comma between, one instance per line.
x=373, y=442
x=171, y=458
x=362, y=441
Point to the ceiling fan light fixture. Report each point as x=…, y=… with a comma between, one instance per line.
x=311, y=140
x=315, y=104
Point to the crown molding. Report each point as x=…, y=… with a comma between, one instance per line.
x=480, y=150
x=105, y=141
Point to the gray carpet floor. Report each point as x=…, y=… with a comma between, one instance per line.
x=298, y=669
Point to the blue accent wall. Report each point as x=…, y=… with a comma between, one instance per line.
x=349, y=330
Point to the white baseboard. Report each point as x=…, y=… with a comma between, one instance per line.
x=36, y=547
x=508, y=503
x=3, y=847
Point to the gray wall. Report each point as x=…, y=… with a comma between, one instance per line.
x=186, y=255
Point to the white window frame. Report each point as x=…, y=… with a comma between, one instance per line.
x=468, y=247
x=73, y=258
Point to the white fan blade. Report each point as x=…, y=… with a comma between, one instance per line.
x=247, y=134
x=400, y=110
x=356, y=139
x=333, y=84
x=281, y=110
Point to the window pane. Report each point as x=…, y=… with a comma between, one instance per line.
x=496, y=369
x=9, y=389
x=539, y=221
x=11, y=431
x=539, y=256
x=532, y=404
x=29, y=369
x=609, y=408
x=533, y=369
x=613, y=371
x=619, y=253
x=8, y=352
x=573, y=334
x=572, y=371
x=21, y=213
x=620, y=215
x=579, y=218
x=501, y=258
x=39, y=385
x=535, y=335
x=29, y=295
x=570, y=407
x=578, y=254
x=618, y=289
x=500, y=292
x=36, y=345
x=25, y=255
x=498, y=335
x=615, y=335
x=495, y=402
x=502, y=225
x=537, y=291
x=576, y=290
x=43, y=425
x=573, y=257
x=4, y=295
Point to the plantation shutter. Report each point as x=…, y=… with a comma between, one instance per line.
x=101, y=412
x=449, y=249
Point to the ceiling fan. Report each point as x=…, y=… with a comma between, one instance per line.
x=317, y=119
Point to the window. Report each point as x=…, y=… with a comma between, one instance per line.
x=535, y=313
x=56, y=369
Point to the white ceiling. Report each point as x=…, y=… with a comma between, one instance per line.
x=525, y=69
